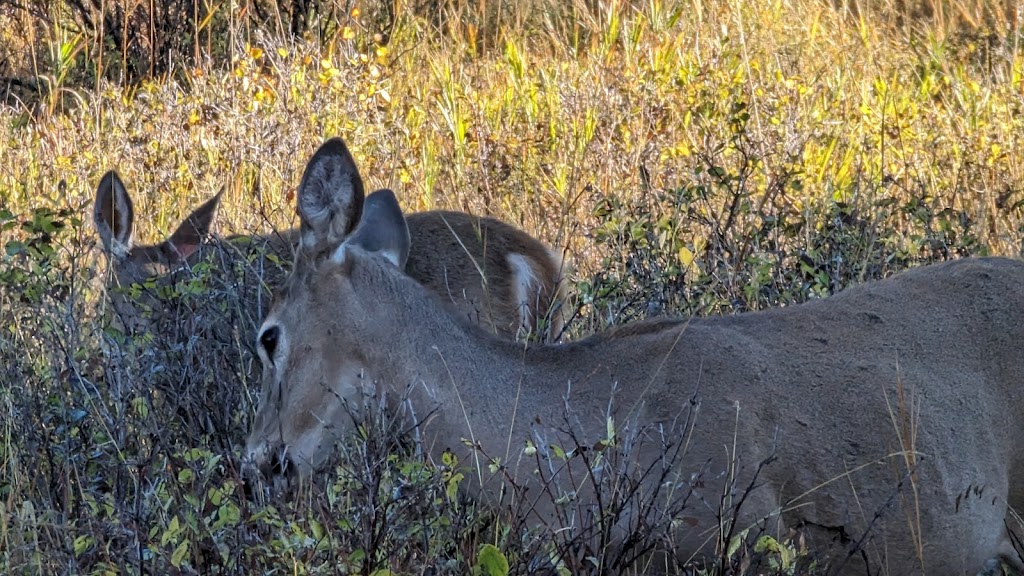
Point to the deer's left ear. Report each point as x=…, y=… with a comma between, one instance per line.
x=113, y=215
x=330, y=197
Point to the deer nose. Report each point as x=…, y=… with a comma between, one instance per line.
x=278, y=465
x=271, y=469
x=252, y=483
x=272, y=463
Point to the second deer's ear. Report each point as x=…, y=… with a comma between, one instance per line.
x=113, y=215
x=382, y=230
x=190, y=234
x=330, y=196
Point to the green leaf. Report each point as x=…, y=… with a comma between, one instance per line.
x=317, y=529
x=734, y=544
x=766, y=543
x=173, y=529
x=559, y=453
x=179, y=554
x=140, y=407
x=83, y=543
x=228, y=515
x=492, y=561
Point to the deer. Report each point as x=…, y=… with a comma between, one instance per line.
x=491, y=271
x=881, y=423
x=200, y=297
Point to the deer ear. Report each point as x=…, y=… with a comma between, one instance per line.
x=330, y=196
x=113, y=215
x=189, y=236
x=382, y=230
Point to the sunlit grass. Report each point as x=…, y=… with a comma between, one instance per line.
x=534, y=133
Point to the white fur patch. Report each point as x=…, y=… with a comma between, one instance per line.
x=340, y=254
x=120, y=250
x=524, y=286
x=308, y=239
x=391, y=255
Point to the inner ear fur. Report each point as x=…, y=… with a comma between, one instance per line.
x=330, y=196
x=189, y=236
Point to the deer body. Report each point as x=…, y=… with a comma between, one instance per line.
x=887, y=416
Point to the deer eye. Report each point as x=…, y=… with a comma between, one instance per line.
x=268, y=341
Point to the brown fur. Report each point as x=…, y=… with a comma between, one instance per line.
x=464, y=258
x=478, y=279
x=893, y=408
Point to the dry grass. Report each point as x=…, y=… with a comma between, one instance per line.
x=691, y=157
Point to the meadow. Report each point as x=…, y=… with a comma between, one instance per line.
x=689, y=157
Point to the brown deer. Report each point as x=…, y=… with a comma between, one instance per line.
x=200, y=298
x=490, y=271
x=882, y=423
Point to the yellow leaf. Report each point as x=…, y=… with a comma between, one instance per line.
x=255, y=53
x=171, y=533
x=448, y=460
x=685, y=256
x=530, y=449
x=347, y=33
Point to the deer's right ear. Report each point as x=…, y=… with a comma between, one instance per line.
x=189, y=236
x=330, y=196
x=113, y=215
x=383, y=230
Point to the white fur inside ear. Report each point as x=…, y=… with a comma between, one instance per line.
x=123, y=211
x=391, y=255
x=124, y=215
x=307, y=238
x=120, y=250
x=340, y=254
